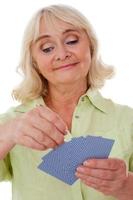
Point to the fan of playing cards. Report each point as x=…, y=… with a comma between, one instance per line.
x=63, y=161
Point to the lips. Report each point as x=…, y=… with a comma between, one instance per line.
x=67, y=66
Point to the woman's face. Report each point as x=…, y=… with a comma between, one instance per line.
x=62, y=53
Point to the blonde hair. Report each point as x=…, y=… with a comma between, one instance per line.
x=34, y=84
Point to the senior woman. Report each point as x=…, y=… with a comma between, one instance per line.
x=59, y=92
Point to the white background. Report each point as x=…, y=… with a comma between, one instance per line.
x=113, y=22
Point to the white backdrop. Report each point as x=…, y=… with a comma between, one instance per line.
x=112, y=21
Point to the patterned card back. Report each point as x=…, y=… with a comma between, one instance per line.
x=63, y=161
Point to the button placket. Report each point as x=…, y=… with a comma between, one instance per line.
x=77, y=117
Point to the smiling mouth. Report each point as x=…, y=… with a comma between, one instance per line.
x=67, y=66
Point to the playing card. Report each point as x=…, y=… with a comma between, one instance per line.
x=63, y=161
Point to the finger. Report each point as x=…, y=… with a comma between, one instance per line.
x=49, y=143
x=97, y=181
x=106, y=187
x=47, y=128
x=31, y=143
x=110, y=163
x=98, y=173
x=36, y=134
x=104, y=190
x=40, y=137
x=101, y=183
x=53, y=117
x=91, y=185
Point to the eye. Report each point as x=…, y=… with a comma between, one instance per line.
x=48, y=50
x=71, y=42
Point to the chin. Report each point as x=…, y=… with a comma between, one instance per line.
x=68, y=80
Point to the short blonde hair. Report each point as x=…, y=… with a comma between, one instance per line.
x=34, y=84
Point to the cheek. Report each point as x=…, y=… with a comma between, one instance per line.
x=44, y=65
x=84, y=53
x=43, y=62
x=86, y=63
x=86, y=59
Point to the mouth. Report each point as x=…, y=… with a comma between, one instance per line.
x=67, y=66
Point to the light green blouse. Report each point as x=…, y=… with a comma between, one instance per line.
x=94, y=115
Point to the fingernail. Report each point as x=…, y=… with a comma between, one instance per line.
x=67, y=131
x=80, y=169
x=86, y=163
x=76, y=173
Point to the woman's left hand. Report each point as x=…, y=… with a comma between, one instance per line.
x=108, y=176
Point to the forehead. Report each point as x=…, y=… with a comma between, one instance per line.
x=54, y=25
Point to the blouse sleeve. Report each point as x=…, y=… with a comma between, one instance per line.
x=131, y=157
x=5, y=164
x=5, y=169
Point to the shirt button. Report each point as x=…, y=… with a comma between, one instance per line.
x=76, y=116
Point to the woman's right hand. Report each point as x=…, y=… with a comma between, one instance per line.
x=40, y=129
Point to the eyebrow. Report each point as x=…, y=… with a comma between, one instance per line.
x=48, y=36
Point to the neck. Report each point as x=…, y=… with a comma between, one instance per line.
x=65, y=96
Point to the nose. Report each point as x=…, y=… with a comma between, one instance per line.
x=62, y=53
